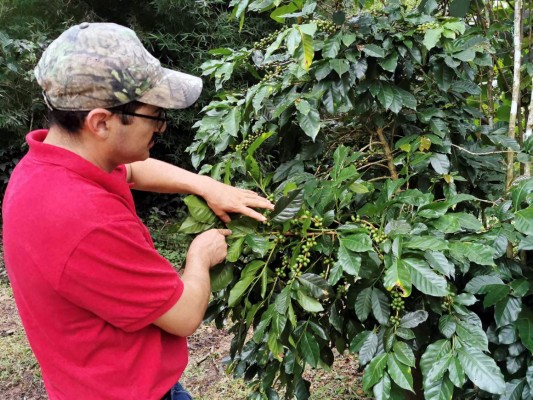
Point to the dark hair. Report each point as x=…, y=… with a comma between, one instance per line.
x=72, y=121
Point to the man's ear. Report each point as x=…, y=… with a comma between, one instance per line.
x=99, y=122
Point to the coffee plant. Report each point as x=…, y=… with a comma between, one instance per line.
x=392, y=235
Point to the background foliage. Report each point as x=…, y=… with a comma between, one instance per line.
x=382, y=133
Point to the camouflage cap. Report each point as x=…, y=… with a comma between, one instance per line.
x=95, y=65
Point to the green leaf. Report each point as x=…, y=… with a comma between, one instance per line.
x=348, y=260
x=385, y=95
x=288, y=206
x=480, y=282
x=398, y=275
x=221, y=276
x=318, y=287
x=380, y=306
x=331, y=47
x=400, y=373
x=282, y=300
x=230, y=124
x=514, y=390
x=374, y=371
x=308, y=50
x=360, y=242
x=468, y=87
x=247, y=276
x=390, y=62
x=434, y=352
x=363, y=304
x=413, y=319
x=525, y=328
x=404, y=354
x=472, y=335
x=432, y=37
x=475, y=252
x=258, y=244
x=368, y=348
x=303, y=106
x=459, y=8
x=374, y=51
x=252, y=167
x=339, y=66
x=495, y=293
x=359, y=340
x=507, y=311
x=447, y=325
x=524, y=221
x=425, y=279
x=519, y=193
x=440, y=390
x=308, y=303
x=310, y=123
x=308, y=348
x=426, y=243
x=258, y=142
x=293, y=40
x=199, y=210
x=456, y=373
x=190, y=226
x=382, y=390
x=439, y=262
x=482, y=370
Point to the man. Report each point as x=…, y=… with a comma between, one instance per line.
x=105, y=314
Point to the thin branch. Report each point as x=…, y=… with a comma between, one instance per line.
x=388, y=153
x=517, y=42
x=488, y=153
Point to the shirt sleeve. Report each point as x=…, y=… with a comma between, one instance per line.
x=116, y=274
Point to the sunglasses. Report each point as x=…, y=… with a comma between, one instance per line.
x=161, y=117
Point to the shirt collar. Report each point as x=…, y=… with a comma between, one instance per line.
x=114, y=181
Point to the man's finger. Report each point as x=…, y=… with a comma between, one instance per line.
x=225, y=232
x=253, y=214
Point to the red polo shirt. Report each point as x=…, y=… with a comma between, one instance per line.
x=87, y=279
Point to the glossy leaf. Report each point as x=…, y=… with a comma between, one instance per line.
x=363, y=304
x=380, y=306
x=199, y=210
x=400, y=373
x=288, y=206
x=481, y=370
x=374, y=371
x=221, y=276
x=425, y=279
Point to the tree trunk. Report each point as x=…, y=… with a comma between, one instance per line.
x=516, y=87
x=529, y=129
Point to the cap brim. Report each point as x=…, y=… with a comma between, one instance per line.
x=174, y=90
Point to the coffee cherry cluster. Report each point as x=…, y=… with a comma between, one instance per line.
x=448, y=302
x=279, y=238
x=397, y=302
x=428, y=25
x=267, y=41
x=325, y=26
x=248, y=141
x=303, y=259
x=377, y=236
x=395, y=321
x=275, y=72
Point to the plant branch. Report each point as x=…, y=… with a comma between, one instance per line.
x=487, y=153
x=388, y=153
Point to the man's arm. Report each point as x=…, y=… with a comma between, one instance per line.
x=158, y=176
x=206, y=250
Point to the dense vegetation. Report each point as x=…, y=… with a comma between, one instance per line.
x=394, y=138
x=387, y=138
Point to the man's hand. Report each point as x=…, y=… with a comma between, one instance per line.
x=224, y=199
x=209, y=248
